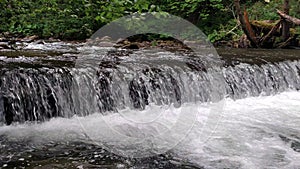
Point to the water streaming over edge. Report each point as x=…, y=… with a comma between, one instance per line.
x=249, y=137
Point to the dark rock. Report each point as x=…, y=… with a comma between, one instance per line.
x=5, y=45
x=131, y=46
x=103, y=88
x=138, y=93
x=29, y=38
x=295, y=145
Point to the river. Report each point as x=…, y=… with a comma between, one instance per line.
x=71, y=106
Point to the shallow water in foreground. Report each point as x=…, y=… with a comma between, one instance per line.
x=255, y=132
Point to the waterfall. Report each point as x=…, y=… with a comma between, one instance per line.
x=40, y=93
x=245, y=80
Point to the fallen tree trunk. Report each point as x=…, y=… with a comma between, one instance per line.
x=266, y=27
x=296, y=21
x=265, y=33
x=267, y=37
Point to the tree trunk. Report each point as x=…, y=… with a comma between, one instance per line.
x=285, y=24
x=243, y=17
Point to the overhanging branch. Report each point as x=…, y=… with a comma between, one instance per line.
x=289, y=18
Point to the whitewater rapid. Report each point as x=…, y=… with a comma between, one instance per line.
x=254, y=132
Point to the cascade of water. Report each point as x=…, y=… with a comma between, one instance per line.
x=246, y=80
x=37, y=94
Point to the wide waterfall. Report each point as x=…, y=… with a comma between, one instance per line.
x=71, y=109
x=119, y=82
x=133, y=80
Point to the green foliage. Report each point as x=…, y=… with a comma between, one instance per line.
x=46, y=18
x=78, y=19
x=267, y=11
x=65, y=19
x=228, y=31
x=194, y=10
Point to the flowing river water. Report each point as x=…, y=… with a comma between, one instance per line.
x=56, y=113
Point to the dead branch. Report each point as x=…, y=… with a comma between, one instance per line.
x=270, y=34
x=285, y=43
x=296, y=21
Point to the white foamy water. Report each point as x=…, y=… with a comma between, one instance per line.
x=256, y=132
x=251, y=135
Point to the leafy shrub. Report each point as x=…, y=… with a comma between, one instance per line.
x=78, y=19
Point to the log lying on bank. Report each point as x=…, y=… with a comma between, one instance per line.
x=266, y=26
x=264, y=34
x=268, y=36
x=267, y=31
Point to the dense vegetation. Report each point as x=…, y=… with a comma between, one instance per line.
x=78, y=19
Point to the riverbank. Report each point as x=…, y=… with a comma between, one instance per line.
x=64, y=53
x=14, y=42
